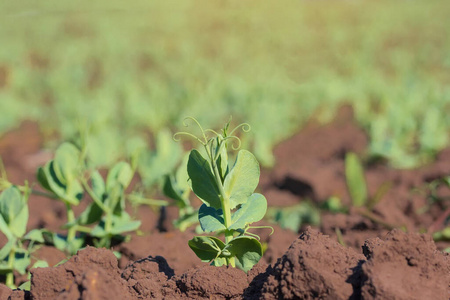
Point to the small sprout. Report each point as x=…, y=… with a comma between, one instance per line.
x=14, y=256
x=229, y=202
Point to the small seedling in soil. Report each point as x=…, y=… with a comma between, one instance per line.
x=229, y=202
x=294, y=217
x=15, y=256
x=437, y=194
x=362, y=203
x=105, y=219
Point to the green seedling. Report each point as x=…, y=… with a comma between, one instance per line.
x=362, y=203
x=105, y=218
x=14, y=256
x=60, y=176
x=176, y=187
x=229, y=202
x=294, y=217
x=108, y=209
x=357, y=186
x=433, y=192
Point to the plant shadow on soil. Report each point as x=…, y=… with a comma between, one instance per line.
x=375, y=264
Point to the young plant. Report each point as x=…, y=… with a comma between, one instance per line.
x=67, y=178
x=60, y=176
x=357, y=187
x=229, y=202
x=14, y=256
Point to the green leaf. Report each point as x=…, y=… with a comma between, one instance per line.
x=42, y=179
x=211, y=219
x=4, y=252
x=243, y=178
x=247, y=250
x=207, y=248
x=35, y=235
x=252, y=211
x=98, y=185
x=186, y=221
x=222, y=161
x=71, y=192
x=356, y=182
x=26, y=286
x=121, y=174
x=92, y=214
x=202, y=179
x=14, y=211
x=66, y=162
x=172, y=191
x=22, y=261
x=124, y=224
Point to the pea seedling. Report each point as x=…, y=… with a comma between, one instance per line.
x=14, y=256
x=229, y=202
x=64, y=177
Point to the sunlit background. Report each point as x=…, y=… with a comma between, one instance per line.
x=126, y=71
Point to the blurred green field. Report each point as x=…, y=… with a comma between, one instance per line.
x=126, y=69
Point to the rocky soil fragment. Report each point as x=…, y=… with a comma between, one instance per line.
x=405, y=266
x=314, y=267
x=91, y=274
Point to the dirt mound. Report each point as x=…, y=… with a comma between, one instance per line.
x=210, y=282
x=149, y=278
x=405, y=266
x=91, y=274
x=314, y=267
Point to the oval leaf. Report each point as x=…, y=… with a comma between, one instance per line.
x=252, y=211
x=243, y=178
x=211, y=219
x=356, y=182
x=14, y=211
x=207, y=248
x=121, y=174
x=247, y=250
x=202, y=180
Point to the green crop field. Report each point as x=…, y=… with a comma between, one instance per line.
x=120, y=70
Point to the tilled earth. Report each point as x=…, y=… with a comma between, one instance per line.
x=377, y=261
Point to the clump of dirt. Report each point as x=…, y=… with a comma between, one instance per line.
x=149, y=278
x=91, y=274
x=405, y=266
x=209, y=282
x=313, y=267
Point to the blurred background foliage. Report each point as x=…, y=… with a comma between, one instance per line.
x=125, y=71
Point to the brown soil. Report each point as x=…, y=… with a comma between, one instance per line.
x=376, y=263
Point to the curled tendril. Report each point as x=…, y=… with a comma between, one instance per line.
x=236, y=139
x=176, y=137
x=245, y=128
x=185, y=124
x=205, y=140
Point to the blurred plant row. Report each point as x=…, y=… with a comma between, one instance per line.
x=127, y=70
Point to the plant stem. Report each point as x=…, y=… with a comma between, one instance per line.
x=225, y=207
x=10, y=275
x=71, y=232
x=93, y=196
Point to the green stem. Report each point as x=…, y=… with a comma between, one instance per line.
x=71, y=232
x=93, y=196
x=225, y=206
x=10, y=276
